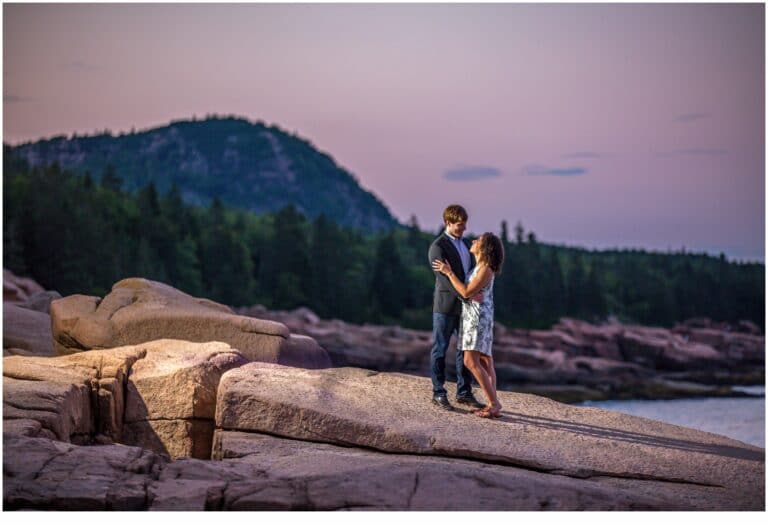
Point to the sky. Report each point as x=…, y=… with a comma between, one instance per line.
x=600, y=125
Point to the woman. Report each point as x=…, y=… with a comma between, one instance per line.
x=476, y=325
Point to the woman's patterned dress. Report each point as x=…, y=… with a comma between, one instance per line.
x=476, y=325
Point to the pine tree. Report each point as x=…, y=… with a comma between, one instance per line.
x=576, y=287
x=292, y=270
x=110, y=179
x=519, y=233
x=553, y=291
x=594, y=299
x=504, y=233
x=188, y=276
x=388, y=286
x=327, y=254
x=13, y=249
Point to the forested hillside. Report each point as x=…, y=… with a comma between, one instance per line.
x=75, y=235
x=246, y=165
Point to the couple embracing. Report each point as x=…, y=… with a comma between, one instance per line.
x=463, y=303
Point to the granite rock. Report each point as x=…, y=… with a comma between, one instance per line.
x=28, y=330
x=171, y=396
x=393, y=413
x=139, y=310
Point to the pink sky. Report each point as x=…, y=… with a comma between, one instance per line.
x=605, y=125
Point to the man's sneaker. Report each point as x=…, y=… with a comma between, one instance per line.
x=442, y=401
x=469, y=400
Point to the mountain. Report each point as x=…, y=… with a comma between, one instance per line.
x=248, y=165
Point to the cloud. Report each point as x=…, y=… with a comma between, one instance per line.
x=690, y=117
x=698, y=152
x=563, y=172
x=79, y=66
x=471, y=173
x=584, y=155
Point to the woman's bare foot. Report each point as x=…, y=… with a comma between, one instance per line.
x=491, y=411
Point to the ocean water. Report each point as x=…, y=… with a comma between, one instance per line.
x=739, y=418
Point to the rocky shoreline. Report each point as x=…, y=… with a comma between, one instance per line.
x=150, y=399
x=575, y=361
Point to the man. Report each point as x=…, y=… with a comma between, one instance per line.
x=446, y=308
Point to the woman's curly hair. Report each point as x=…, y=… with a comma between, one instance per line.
x=492, y=251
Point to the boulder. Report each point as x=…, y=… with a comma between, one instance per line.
x=60, y=411
x=171, y=396
x=376, y=347
x=748, y=327
x=607, y=349
x=299, y=350
x=598, y=340
x=744, y=349
x=307, y=315
x=641, y=348
x=28, y=330
x=40, y=301
x=17, y=289
x=138, y=310
x=71, y=398
x=688, y=356
x=393, y=413
x=601, y=368
x=171, y=438
x=159, y=395
x=710, y=337
x=545, y=339
x=532, y=358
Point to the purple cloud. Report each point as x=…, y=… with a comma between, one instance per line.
x=471, y=173
x=544, y=170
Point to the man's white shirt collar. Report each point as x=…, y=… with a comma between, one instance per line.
x=451, y=236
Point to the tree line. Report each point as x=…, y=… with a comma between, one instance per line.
x=74, y=235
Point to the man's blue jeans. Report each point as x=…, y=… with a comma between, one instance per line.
x=443, y=326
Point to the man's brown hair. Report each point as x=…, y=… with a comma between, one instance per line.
x=454, y=214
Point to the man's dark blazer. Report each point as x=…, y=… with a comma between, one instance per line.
x=446, y=299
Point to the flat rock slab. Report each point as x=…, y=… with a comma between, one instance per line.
x=27, y=329
x=298, y=475
x=393, y=413
x=139, y=310
x=260, y=472
x=44, y=474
